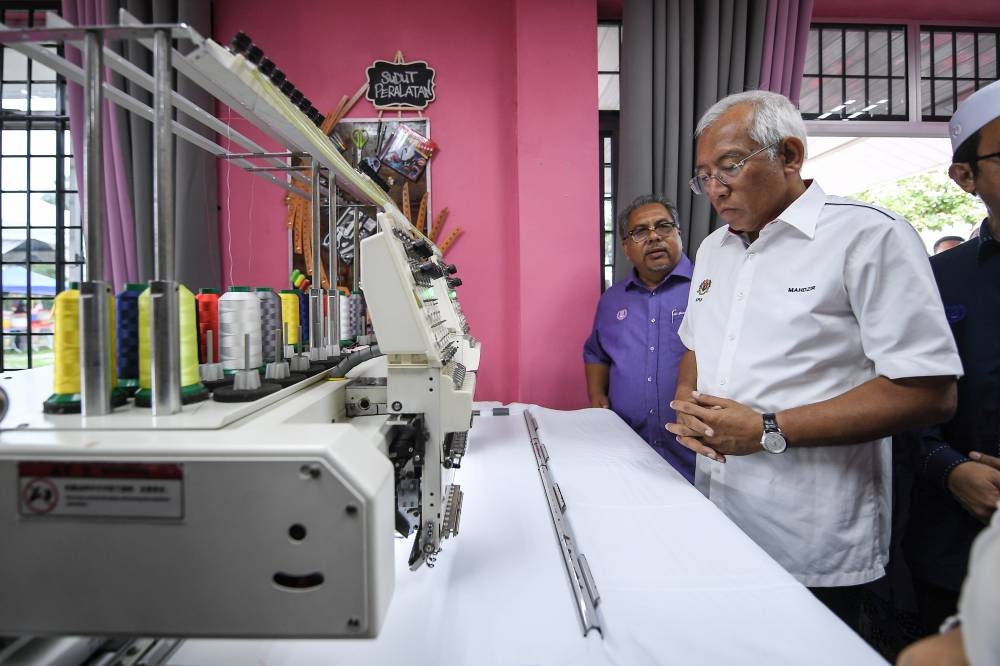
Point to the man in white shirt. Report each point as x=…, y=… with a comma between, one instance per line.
x=814, y=331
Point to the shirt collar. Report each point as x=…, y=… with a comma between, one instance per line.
x=683, y=269
x=802, y=214
x=988, y=246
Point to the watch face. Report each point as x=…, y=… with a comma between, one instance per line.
x=773, y=442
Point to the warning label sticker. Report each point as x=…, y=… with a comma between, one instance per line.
x=101, y=489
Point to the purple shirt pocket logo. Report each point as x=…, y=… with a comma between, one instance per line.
x=622, y=314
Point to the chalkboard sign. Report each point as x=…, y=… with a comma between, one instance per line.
x=400, y=85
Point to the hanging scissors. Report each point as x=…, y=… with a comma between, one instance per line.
x=359, y=138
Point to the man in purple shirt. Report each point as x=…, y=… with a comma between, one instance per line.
x=631, y=356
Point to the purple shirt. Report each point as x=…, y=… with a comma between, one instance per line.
x=635, y=334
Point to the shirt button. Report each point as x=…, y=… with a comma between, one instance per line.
x=649, y=379
x=652, y=349
x=732, y=337
x=652, y=321
x=739, y=295
x=722, y=382
x=651, y=411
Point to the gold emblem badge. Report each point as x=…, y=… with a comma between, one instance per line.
x=704, y=287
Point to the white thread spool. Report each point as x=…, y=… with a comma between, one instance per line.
x=346, y=329
x=239, y=329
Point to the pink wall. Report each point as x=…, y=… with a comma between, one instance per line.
x=516, y=121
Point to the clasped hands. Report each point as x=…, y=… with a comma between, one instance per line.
x=716, y=427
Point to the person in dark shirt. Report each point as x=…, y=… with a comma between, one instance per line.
x=957, y=468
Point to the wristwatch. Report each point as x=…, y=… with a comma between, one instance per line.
x=773, y=440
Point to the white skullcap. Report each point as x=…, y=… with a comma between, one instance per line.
x=974, y=113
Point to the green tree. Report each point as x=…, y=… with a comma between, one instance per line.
x=930, y=201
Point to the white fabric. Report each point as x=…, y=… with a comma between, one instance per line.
x=979, y=605
x=679, y=583
x=830, y=295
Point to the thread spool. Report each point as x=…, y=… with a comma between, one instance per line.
x=207, y=309
x=66, y=389
x=127, y=336
x=345, y=318
x=290, y=314
x=270, y=320
x=192, y=390
x=239, y=328
x=303, y=317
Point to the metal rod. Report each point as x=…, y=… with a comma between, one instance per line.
x=317, y=334
x=165, y=320
x=110, y=32
x=284, y=155
x=333, y=265
x=93, y=175
x=95, y=333
x=581, y=579
x=357, y=252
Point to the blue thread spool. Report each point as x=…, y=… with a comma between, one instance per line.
x=304, y=318
x=127, y=305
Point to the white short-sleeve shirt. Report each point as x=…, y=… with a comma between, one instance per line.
x=831, y=294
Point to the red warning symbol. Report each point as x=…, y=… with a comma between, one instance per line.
x=40, y=496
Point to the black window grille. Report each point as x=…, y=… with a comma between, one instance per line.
x=855, y=72
x=609, y=36
x=954, y=63
x=39, y=210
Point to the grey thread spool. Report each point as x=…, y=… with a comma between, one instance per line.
x=270, y=318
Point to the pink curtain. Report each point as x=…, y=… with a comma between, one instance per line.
x=120, y=261
x=786, y=33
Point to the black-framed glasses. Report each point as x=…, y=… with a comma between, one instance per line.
x=724, y=174
x=663, y=229
x=980, y=158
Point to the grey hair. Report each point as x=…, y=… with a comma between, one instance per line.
x=774, y=118
x=644, y=200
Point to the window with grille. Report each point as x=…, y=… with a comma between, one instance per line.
x=866, y=72
x=855, y=72
x=954, y=63
x=42, y=239
x=609, y=39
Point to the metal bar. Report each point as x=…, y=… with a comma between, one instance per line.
x=165, y=334
x=93, y=175
x=317, y=343
x=333, y=264
x=95, y=354
x=578, y=571
x=110, y=32
x=144, y=80
x=76, y=74
x=285, y=155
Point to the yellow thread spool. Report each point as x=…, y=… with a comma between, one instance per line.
x=66, y=312
x=66, y=378
x=192, y=389
x=290, y=314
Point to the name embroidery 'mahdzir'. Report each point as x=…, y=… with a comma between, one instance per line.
x=810, y=288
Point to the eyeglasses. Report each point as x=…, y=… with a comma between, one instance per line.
x=724, y=174
x=663, y=229
x=980, y=158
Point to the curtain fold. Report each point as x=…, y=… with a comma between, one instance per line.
x=128, y=157
x=678, y=58
x=786, y=37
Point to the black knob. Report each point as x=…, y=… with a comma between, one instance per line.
x=295, y=96
x=287, y=87
x=241, y=42
x=318, y=120
x=450, y=269
x=454, y=282
x=422, y=248
x=430, y=269
x=266, y=66
x=312, y=111
x=304, y=104
x=277, y=77
x=254, y=54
